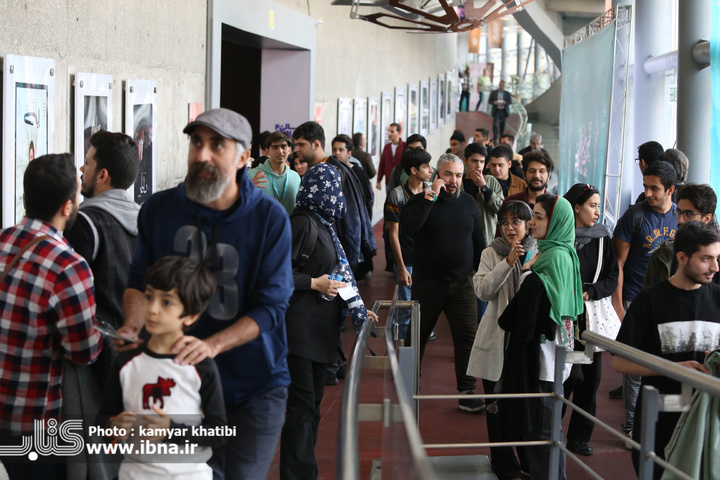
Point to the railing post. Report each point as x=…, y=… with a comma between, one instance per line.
x=556, y=432
x=650, y=405
x=415, y=330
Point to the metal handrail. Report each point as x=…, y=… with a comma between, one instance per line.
x=422, y=467
x=348, y=464
x=701, y=381
x=348, y=467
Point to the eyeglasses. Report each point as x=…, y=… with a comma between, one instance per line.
x=515, y=222
x=637, y=161
x=687, y=213
x=589, y=187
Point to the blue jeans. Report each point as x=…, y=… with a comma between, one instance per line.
x=258, y=423
x=403, y=294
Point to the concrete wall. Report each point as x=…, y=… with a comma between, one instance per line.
x=165, y=40
x=161, y=40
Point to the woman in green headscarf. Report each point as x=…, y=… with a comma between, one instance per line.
x=538, y=318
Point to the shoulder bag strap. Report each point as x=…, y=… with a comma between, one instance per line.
x=600, y=260
x=19, y=254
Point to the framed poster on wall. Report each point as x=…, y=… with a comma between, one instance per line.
x=401, y=109
x=442, y=93
x=433, y=105
x=372, y=139
x=93, y=110
x=413, y=110
x=28, y=125
x=387, y=114
x=344, y=116
x=140, y=123
x=449, y=84
x=424, y=108
x=359, y=117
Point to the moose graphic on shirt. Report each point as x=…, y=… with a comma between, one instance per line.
x=157, y=391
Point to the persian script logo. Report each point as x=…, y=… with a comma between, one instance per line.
x=45, y=440
x=285, y=128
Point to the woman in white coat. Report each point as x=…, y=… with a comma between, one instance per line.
x=497, y=280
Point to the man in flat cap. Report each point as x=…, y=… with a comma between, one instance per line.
x=218, y=217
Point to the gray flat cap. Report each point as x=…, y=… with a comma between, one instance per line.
x=227, y=123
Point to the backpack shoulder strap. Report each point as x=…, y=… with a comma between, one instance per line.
x=638, y=217
x=96, y=237
x=310, y=240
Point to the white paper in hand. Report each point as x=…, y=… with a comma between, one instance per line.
x=347, y=292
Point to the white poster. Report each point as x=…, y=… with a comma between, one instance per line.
x=442, y=93
x=344, y=116
x=424, y=108
x=413, y=124
x=140, y=123
x=93, y=110
x=372, y=139
x=387, y=112
x=28, y=125
x=401, y=109
x=433, y=105
x=359, y=117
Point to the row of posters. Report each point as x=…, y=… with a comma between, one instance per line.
x=418, y=108
x=28, y=120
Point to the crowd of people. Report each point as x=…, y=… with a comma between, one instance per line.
x=219, y=303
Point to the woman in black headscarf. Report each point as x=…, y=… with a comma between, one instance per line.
x=590, y=236
x=313, y=322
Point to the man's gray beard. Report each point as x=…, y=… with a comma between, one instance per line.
x=447, y=196
x=205, y=190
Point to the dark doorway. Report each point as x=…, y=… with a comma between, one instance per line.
x=240, y=73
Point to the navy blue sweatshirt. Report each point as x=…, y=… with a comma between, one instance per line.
x=247, y=248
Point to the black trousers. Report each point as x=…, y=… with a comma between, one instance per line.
x=300, y=432
x=583, y=384
x=505, y=464
x=499, y=120
x=464, y=96
x=459, y=303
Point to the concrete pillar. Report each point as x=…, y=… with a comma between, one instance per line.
x=503, y=58
x=488, y=58
x=538, y=58
x=520, y=53
x=651, y=38
x=694, y=89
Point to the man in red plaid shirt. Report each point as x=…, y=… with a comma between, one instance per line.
x=47, y=308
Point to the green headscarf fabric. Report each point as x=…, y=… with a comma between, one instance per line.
x=558, y=266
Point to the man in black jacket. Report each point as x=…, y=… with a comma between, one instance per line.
x=104, y=233
x=500, y=101
x=445, y=224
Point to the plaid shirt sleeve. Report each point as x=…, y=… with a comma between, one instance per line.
x=73, y=302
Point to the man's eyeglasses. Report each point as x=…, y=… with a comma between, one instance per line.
x=637, y=161
x=687, y=214
x=515, y=222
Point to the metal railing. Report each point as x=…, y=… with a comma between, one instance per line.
x=403, y=406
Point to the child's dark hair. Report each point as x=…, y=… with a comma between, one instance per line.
x=193, y=282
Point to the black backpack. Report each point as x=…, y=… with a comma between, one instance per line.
x=310, y=240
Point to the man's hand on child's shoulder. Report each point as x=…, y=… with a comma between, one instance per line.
x=192, y=350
